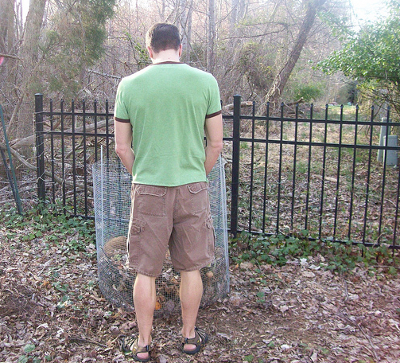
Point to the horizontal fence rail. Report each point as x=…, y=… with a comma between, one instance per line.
x=325, y=176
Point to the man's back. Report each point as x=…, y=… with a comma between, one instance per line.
x=167, y=104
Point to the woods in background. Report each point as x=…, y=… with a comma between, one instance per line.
x=264, y=50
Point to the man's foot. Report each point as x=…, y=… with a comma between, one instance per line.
x=130, y=347
x=194, y=345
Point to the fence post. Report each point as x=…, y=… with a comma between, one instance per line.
x=390, y=156
x=235, y=164
x=385, y=132
x=41, y=188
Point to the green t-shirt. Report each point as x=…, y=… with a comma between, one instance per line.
x=167, y=105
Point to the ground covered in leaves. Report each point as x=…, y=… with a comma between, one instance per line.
x=51, y=309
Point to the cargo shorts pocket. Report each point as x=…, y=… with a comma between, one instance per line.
x=211, y=234
x=150, y=200
x=136, y=227
x=198, y=196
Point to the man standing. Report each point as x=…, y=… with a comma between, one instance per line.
x=161, y=115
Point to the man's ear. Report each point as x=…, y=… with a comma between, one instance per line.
x=151, y=53
x=180, y=50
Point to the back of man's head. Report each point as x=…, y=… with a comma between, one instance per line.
x=163, y=36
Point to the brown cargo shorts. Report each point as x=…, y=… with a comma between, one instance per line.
x=177, y=218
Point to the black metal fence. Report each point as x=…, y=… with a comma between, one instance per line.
x=306, y=172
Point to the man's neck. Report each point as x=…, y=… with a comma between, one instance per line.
x=169, y=55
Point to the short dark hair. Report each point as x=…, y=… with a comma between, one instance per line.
x=163, y=36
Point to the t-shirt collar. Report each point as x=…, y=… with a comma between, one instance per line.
x=167, y=62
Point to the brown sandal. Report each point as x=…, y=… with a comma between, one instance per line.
x=200, y=340
x=130, y=347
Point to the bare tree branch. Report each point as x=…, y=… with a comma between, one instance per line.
x=30, y=140
x=9, y=56
x=103, y=74
x=28, y=165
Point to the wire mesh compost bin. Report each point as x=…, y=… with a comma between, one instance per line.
x=112, y=187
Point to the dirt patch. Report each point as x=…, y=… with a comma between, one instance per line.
x=51, y=310
x=18, y=303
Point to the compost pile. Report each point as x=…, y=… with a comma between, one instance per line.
x=112, y=205
x=115, y=279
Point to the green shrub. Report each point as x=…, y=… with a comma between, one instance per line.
x=308, y=93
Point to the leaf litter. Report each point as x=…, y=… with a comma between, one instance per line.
x=51, y=310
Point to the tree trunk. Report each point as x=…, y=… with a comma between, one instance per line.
x=211, y=36
x=7, y=31
x=233, y=19
x=33, y=25
x=281, y=79
x=238, y=10
x=161, y=11
x=7, y=41
x=185, y=27
x=29, y=63
x=189, y=31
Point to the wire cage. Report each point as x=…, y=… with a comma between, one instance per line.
x=112, y=201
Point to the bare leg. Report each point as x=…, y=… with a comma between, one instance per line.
x=191, y=292
x=144, y=298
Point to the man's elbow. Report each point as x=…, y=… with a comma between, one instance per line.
x=121, y=150
x=218, y=146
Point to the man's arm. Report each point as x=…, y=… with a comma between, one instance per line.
x=123, y=143
x=214, y=134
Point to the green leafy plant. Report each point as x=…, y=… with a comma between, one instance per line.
x=339, y=257
x=50, y=225
x=28, y=348
x=261, y=297
x=308, y=92
x=371, y=56
x=248, y=358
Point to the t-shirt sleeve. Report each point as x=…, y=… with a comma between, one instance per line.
x=214, y=104
x=120, y=111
